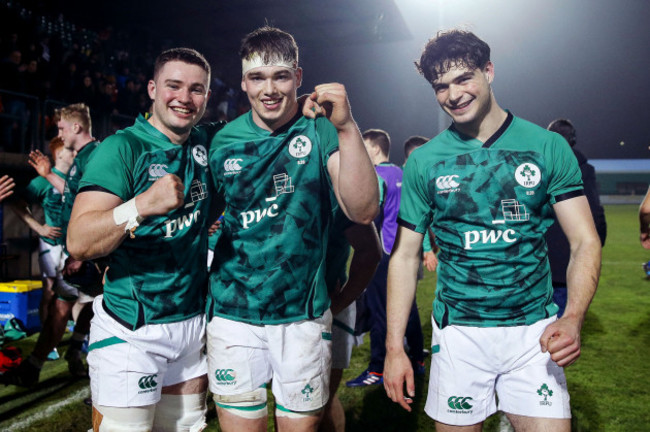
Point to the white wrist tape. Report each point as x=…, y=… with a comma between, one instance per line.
x=128, y=213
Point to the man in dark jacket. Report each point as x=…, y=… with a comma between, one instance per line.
x=558, y=245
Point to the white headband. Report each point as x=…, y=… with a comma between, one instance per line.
x=256, y=61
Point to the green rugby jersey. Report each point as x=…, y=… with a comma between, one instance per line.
x=338, y=252
x=40, y=191
x=71, y=188
x=490, y=205
x=269, y=261
x=159, y=276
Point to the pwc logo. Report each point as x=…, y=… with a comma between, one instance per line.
x=488, y=237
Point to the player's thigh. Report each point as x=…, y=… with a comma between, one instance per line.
x=49, y=258
x=343, y=337
x=237, y=357
x=462, y=377
x=537, y=424
x=301, y=358
x=535, y=386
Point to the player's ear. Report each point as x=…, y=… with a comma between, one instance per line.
x=489, y=72
x=298, y=77
x=243, y=84
x=151, y=89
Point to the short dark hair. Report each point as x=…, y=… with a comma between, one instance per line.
x=452, y=48
x=185, y=55
x=379, y=138
x=565, y=128
x=413, y=142
x=270, y=43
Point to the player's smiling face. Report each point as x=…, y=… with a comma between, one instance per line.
x=272, y=92
x=180, y=94
x=465, y=93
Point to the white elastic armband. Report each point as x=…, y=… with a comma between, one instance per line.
x=128, y=213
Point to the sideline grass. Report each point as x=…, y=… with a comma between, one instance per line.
x=610, y=384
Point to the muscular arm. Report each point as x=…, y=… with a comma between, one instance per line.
x=402, y=282
x=367, y=253
x=644, y=221
x=92, y=232
x=562, y=338
x=352, y=173
x=43, y=167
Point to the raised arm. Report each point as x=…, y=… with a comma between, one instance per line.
x=562, y=338
x=644, y=220
x=98, y=223
x=352, y=173
x=402, y=282
x=43, y=167
x=367, y=253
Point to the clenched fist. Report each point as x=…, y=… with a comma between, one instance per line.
x=165, y=195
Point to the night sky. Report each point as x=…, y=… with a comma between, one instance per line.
x=586, y=60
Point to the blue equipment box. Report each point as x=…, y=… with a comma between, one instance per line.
x=20, y=299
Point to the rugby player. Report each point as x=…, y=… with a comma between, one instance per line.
x=143, y=204
x=489, y=183
x=274, y=170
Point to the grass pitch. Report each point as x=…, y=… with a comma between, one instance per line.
x=609, y=385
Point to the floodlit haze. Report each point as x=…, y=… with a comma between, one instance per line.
x=586, y=60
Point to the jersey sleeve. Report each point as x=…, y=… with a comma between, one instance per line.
x=415, y=210
x=565, y=179
x=111, y=168
x=329, y=137
x=34, y=192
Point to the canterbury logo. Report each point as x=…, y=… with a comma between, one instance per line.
x=147, y=382
x=459, y=402
x=232, y=165
x=157, y=170
x=224, y=375
x=447, y=182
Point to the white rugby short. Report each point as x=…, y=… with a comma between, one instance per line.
x=129, y=368
x=468, y=364
x=50, y=259
x=343, y=337
x=296, y=356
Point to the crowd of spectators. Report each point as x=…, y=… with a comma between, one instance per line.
x=45, y=55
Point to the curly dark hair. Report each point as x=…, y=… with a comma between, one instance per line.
x=452, y=48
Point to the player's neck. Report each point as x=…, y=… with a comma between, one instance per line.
x=83, y=141
x=273, y=125
x=484, y=127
